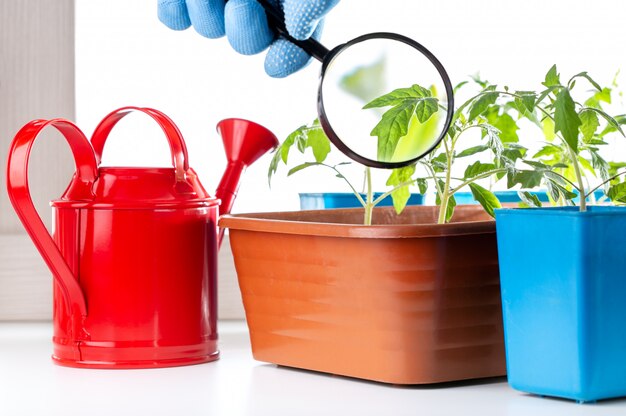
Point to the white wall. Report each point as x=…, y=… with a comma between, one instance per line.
x=126, y=57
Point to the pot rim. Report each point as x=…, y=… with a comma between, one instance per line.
x=287, y=223
x=573, y=211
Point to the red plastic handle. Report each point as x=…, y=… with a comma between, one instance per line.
x=19, y=194
x=174, y=137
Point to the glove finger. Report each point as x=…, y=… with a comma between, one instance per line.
x=207, y=17
x=302, y=16
x=246, y=27
x=284, y=58
x=173, y=14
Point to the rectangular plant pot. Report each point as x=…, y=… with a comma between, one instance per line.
x=329, y=200
x=563, y=275
x=404, y=301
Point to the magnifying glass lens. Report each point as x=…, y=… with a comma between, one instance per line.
x=385, y=102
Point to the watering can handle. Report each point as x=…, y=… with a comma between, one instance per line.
x=19, y=194
x=178, y=148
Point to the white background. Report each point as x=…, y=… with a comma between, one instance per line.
x=125, y=56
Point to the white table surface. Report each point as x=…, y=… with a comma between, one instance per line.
x=237, y=385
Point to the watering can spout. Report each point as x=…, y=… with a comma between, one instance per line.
x=244, y=142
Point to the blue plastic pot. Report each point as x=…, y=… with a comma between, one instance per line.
x=329, y=200
x=505, y=197
x=508, y=197
x=563, y=282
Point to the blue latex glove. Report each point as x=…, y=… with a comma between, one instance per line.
x=245, y=25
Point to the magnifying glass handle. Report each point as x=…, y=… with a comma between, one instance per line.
x=276, y=20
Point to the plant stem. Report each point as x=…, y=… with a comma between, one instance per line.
x=340, y=175
x=445, y=195
x=478, y=177
x=392, y=190
x=443, y=207
x=602, y=184
x=579, y=179
x=369, y=203
x=433, y=175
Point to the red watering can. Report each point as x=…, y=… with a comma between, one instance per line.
x=134, y=250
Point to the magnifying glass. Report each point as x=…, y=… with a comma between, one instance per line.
x=384, y=100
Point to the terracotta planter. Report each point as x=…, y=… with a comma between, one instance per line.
x=405, y=301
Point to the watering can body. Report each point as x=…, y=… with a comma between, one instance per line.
x=148, y=268
x=133, y=252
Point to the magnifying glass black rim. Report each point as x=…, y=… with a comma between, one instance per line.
x=334, y=138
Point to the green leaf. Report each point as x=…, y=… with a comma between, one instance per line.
x=453, y=130
x=555, y=177
x=450, y=208
x=477, y=168
x=482, y=103
x=590, y=124
x=526, y=178
x=597, y=142
x=282, y=153
x=557, y=190
x=393, y=126
x=526, y=100
x=485, y=198
x=472, y=150
x=307, y=136
x=504, y=123
x=513, y=152
x=400, y=95
x=529, y=199
x=537, y=165
x=440, y=162
x=493, y=142
x=273, y=166
x=401, y=195
x=478, y=80
x=612, y=121
x=617, y=192
x=422, y=185
x=600, y=164
x=542, y=96
x=289, y=141
x=300, y=141
x=394, y=122
x=552, y=77
x=620, y=120
x=566, y=119
x=598, y=97
x=419, y=138
x=549, y=150
x=458, y=86
x=366, y=81
x=301, y=166
x=614, y=167
x=319, y=143
x=588, y=78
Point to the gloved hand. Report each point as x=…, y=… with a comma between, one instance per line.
x=245, y=25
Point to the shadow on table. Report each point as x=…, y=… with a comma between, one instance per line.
x=327, y=376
